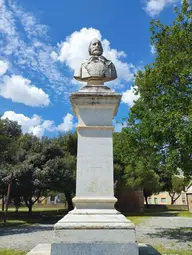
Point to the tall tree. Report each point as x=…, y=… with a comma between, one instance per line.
x=33, y=176
x=134, y=163
x=161, y=118
x=177, y=185
x=10, y=132
x=68, y=143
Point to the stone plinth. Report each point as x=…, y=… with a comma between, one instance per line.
x=94, y=226
x=45, y=249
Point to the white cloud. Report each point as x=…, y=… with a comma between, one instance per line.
x=129, y=97
x=75, y=49
x=19, y=89
x=28, y=47
x=27, y=124
x=154, y=7
x=67, y=124
x=37, y=126
x=1, y=2
x=153, y=49
x=3, y=66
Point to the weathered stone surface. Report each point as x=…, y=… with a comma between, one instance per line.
x=45, y=249
x=41, y=249
x=94, y=226
x=94, y=219
x=96, y=67
x=95, y=148
x=95, y=249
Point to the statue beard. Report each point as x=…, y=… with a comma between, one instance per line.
x=96, y=52
x=94, y=58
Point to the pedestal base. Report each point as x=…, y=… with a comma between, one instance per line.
x=94, y=231
x=41, y=249
x=95, y=249
x=86, y=249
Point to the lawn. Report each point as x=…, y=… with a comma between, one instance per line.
x=185, y=214
x=11, y=252
x=140, y=217
x=40, y=208
x=162, y=250
x=41, y=214
x=50, y=214
x=137, y=219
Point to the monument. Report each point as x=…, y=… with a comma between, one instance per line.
x=94, y=226
x=96, y=67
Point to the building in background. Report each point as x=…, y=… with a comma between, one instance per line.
x=163, y=198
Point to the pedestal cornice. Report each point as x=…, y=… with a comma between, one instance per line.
x=95, y=97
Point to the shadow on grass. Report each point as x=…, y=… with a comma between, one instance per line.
x=22, y=222
x=153, y=214
x=183, y=234
x=147, y=249
x=24, y=229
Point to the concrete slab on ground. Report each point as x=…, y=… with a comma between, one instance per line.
x=45, y=249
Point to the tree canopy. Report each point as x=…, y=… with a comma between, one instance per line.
x=161, y=119
x=158, y=137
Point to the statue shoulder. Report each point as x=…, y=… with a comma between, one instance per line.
x=111, y=70
x=78, y=70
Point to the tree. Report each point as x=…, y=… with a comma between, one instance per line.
x=68, y=143
x=134, y=163
x=59, y=175
x=34, y=157
x=178, y=184
x=10, y=131
x=161, y=119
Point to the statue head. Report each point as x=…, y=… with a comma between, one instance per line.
x=95, y=48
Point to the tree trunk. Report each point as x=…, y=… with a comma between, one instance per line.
x=69, y=200
x=30, y=208
x=29, y=201
x=146, y=201
x=7, y=199
x=3, y=203
x=172, y=198
x=29, y=204
x=146, y=194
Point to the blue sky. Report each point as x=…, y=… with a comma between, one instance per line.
x=43, y=41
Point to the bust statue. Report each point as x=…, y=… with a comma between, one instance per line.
x=96, y=67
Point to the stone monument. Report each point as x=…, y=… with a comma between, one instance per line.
x=94, y=226
x=96, y=67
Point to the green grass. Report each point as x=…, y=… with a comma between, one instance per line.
x=11, y=252
x=41, y=214
x=40, y=208
x=138, y=219
x=50, y=214
x=163, y=250
x=185, y=214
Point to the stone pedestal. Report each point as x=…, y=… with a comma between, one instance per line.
x=94, y=226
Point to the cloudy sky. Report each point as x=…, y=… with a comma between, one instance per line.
x=42, y=42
